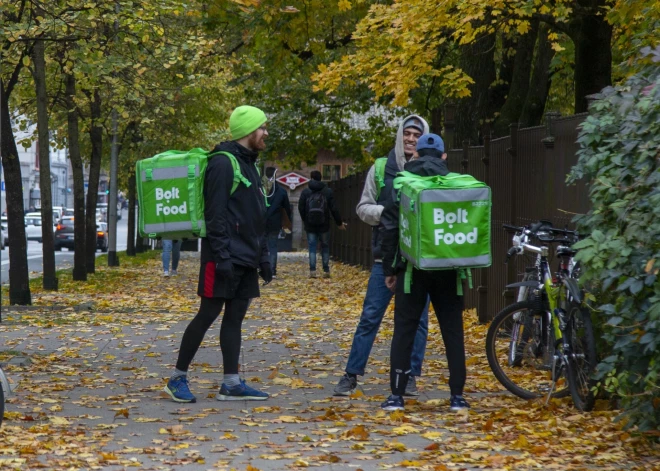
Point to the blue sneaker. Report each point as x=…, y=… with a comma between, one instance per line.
x=242, y=392
x=457, y=403
x=393, y=403
x=178, y=390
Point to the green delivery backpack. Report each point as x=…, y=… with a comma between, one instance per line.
x=444, y=223
x=170, y=193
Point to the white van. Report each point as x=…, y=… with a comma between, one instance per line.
x=58, y=212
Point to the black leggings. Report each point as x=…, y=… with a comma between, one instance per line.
x=408, y=308
x=230, y=332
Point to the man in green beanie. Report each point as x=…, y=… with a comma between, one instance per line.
x=234, y=255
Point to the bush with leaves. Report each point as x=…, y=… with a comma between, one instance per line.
x=620, y=157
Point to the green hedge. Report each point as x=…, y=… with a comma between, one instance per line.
x=620, y=158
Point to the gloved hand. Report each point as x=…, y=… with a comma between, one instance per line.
x=224, y=268
x=266, y=272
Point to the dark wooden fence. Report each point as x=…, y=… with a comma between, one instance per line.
x=526, y=171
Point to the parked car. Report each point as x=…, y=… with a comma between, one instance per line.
x=4, y=228
x=64, y=235
x=68, y=212
x=102, y=236
x=33, y=227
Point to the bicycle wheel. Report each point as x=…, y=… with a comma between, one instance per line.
x=520, y=354
x=581, y=360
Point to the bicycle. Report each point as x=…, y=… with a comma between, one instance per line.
x=538, y=344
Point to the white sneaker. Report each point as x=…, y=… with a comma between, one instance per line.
x=174, y=273
x=166, y=273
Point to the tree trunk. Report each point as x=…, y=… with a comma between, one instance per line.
x=500, y=91
x=19, y=281
x=537, y=96
x=79, y=268
x=43, y=145
x=592, y=35
x=477, y=60
x=132, y=194
x=96, y=137
x=512, y=109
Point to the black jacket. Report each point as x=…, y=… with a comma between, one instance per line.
x=278, y=201
x=315, y=186
x=235, y=224
x=389, y=221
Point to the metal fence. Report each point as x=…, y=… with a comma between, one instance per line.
x=526, y=172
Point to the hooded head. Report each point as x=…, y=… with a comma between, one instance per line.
x=412, y=126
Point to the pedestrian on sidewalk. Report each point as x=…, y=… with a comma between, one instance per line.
x=439, y=285
x=278, y=203
x=375, y=195
x=234, y=255
x=316, y=205
x=171, y=250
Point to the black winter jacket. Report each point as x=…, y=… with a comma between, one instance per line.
x=278, y=201
x=389, y=221
x=315, y=186
x=235, y=224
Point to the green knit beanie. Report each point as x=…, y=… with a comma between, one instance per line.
x=245, y=120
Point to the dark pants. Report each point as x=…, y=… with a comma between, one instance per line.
x=230, y=332
x=408, y=308
x=272, y=239
x=322, y=238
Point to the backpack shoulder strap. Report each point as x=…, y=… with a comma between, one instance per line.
x=379, y=175
x=238, y=176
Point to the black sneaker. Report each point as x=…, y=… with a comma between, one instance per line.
x=457, y=403
x=392, y=403
x=346, y=386
x=411, y=387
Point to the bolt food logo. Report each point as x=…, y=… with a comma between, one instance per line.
x=168, y=195
x=449, y=238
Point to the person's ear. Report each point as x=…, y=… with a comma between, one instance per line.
x=444, y=156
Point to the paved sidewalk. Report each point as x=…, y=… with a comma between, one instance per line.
x=91, y=395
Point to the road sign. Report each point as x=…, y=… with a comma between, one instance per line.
x=292, y=180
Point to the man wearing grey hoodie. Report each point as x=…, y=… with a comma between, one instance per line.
x=378, y=296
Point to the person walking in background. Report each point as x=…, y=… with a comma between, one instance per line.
x=278, y=202
x=316, y=205
x=171, y=250
x=234, y=255
x=376, y=194
x=440, y=285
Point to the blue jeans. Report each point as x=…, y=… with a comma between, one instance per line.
x=312, y=239
x=271, y=239
x=377, y=299
x=171, y=250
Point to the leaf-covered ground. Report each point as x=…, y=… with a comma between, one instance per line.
x=89, y=363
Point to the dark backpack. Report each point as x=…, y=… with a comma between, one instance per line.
x=317, y=206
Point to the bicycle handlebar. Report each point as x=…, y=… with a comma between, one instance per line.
x=546, y=229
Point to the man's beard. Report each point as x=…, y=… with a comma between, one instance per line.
x=256, y=143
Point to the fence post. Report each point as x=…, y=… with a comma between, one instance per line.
x=513, y=152
x=466, y=151
x=482, y=290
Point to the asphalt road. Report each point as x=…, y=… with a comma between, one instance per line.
x=63, y=259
